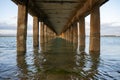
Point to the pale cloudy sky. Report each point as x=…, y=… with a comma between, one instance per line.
x=110, y=18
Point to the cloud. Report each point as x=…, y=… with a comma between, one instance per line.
x=8, y=32
x=8, y=26
x=7, y=29
x=13, y=18
x=112, y=28
x=13, y=32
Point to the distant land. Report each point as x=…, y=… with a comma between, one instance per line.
x=12, y=35
x=107, y=35
x=30, y=35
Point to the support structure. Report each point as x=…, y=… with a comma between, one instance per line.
x=35, y=32
x=22, y=28
x=95, y=31
x=56, y=23
x=41, y=32
x=76, y=33
x=82, y=33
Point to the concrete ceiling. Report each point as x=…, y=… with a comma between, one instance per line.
x=59, y=11
x=60, y=14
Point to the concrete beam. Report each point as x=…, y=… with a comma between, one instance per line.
x=85, y=10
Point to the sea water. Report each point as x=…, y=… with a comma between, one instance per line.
x=59, y=59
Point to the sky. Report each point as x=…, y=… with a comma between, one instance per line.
x=109, y=14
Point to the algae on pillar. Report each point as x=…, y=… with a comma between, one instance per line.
x=22, y=27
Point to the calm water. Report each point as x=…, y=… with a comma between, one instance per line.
x=59, y=60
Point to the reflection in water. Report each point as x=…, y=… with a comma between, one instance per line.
x=86, y=65
x=93, y=71
x=21, y=63
x=58, y=60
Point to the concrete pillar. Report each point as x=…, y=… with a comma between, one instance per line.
x=45, y=27
x=67, y=32
x=82, y=33
x=22, y=28
x=95, y=31
x=76, y=33
x=72, y=32
x=35, y=32
x=47, y=31
x=41, y=32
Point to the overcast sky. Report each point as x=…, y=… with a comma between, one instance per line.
x=110, y=18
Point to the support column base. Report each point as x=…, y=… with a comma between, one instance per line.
x=82, y=48
x=94, y=52
x=19, y=53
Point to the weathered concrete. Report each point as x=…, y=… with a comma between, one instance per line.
x=35, y=32
x=95, y=30
x=41, y=32
x=61, y=18
x=76, y=33
x=44, y=33
x=82, y=33
x=60, y=14
x=22, y=28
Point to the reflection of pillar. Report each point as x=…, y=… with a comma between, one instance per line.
x=95, y=30
x=82, y=33
x=35, y=32
x=22, y=27
x=95, y=58
x=80, y=61
x=21, y=63
x=95, y=61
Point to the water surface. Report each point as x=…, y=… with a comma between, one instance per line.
x=59, y=59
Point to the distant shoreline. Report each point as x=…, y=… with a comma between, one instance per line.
x=86, y=36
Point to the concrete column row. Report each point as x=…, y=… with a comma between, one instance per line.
x=44, y=31
x=72, y=33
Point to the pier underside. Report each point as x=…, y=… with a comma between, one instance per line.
x=59, y=17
